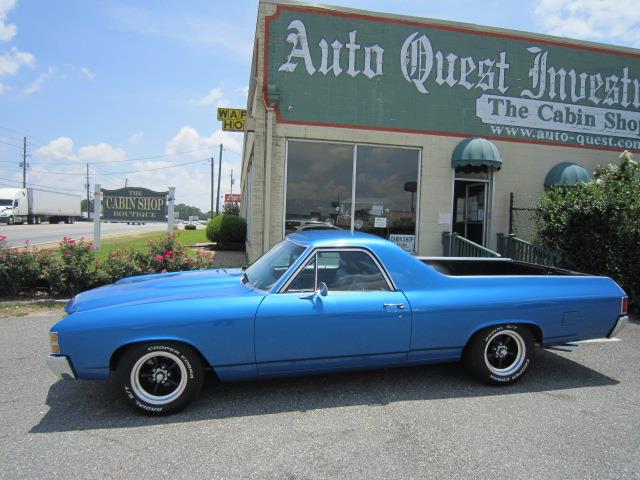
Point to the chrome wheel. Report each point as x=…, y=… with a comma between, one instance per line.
x=504, y=352
x=159, y=377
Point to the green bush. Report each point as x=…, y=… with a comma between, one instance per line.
x=596, y=226
x=122, y=263
x=20, y=268
x=25, y=270
x=227, y=228
x=76, y=270
x=190, y=226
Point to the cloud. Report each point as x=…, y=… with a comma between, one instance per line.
x=39, y=82
x=86, y=72
x=59, y=149
x=188, y=139
x=62, y=148
x=102, y=152
x=616, y=21
x=135, y=138
x=215, y=96
x=7, y=30
x=200, y=30
x=192, y=181
x=4, y=88
x=14, y=60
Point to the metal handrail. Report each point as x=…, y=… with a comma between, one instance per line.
x=513, y=247
x=454, y=245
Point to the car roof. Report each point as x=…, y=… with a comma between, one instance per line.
x=335, y=238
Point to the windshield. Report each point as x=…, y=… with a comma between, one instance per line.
x=268, y=269
x=5, y=202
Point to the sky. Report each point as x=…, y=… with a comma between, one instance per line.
x=132, y=88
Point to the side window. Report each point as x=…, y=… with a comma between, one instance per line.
x=350, y=271
x=15, y=203
x=306, y=279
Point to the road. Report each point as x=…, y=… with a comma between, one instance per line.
x=45, y=233
x=575, y=415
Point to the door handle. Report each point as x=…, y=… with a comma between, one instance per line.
x=399, y=305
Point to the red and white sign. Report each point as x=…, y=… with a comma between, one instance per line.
x=232, y=197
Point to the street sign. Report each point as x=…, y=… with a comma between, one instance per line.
x=134, y=204
x=232, y=198
x=233, y=119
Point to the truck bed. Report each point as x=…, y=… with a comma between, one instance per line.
x=464, y=266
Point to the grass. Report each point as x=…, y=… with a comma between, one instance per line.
x=139, y=241
x=24, y=308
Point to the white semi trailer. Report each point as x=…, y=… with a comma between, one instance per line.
x=31, y=205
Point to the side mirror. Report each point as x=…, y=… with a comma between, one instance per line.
x=323, y=289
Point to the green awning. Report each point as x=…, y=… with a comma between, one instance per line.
x=476, y=152
x=566, y=174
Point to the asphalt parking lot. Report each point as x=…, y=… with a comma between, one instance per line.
x=575, y=415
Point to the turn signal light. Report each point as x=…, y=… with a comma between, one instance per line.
x=624, y=309
x=53, y=340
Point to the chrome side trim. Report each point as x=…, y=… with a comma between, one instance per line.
x=60, y=366
x=620, y=324
x=562, y=348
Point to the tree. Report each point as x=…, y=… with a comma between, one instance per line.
x=186, y=211
x=595, y=226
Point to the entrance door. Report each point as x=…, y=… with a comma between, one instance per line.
x=361, y=321
x=470, y=210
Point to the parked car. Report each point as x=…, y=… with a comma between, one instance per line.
x=292, y=226
x=325, y=301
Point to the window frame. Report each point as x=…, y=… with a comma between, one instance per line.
x=355, y=146
x=316, y=251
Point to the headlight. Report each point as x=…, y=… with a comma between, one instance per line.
x=53, y=341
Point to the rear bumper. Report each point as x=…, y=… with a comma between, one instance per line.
x=620, y=324
x=60, y=366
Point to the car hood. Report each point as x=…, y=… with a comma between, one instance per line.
x=162, y=287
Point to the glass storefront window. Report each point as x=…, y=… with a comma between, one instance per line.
x=320, y=189
x=319, y=180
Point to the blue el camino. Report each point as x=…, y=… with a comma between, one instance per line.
x=326, y=301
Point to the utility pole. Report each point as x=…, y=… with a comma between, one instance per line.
x=126, y=182
x=24, y=162
x=213, y=189
x=231, y=181
x=87, y=185
x=219, y=175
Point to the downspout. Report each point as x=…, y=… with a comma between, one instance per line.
x=267, y=178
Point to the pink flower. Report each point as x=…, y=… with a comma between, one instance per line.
x=164, y=271
x=158, y=258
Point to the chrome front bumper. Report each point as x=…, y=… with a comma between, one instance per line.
x=620, y=324
x=60, y=366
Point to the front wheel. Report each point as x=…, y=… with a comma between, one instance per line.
x=500, y=355
x=10, y=221
x=160, y=378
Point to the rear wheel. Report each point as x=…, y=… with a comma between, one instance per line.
x=500, y=355
x=161, y=377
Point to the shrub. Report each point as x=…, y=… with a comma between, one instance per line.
x=227, y=228
x=20, y=268
x=76, y=271
x=596, y=226
x=122, y=263
x=190, y=226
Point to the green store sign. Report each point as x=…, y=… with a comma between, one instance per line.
x=134, y=204
x=338, y=69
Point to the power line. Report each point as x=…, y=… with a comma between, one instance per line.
x=11, y=144
x=127, y=172
x=153, y=157
x=37, y=185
